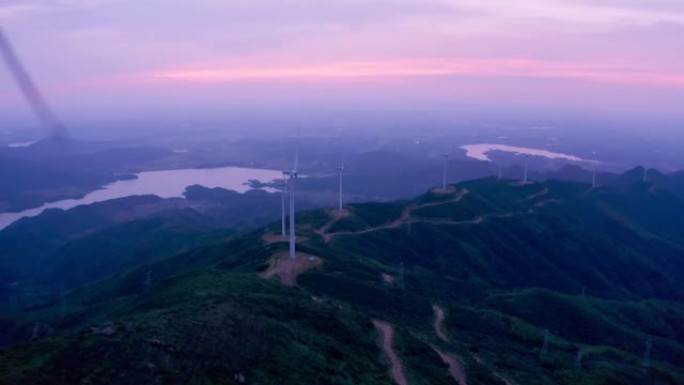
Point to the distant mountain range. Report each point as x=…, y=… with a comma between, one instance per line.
x=551, y=282
x=55, y=169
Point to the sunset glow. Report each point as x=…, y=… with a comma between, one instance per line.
x=596, y=72
x=619, y=54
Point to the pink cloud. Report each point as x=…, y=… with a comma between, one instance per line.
x=465, y=67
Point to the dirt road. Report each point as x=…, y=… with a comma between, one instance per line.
x=456, y=368
x=396, y=370
x=439, y=323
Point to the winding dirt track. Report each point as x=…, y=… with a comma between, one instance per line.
x=337, y=215
x=536, y=195
x=396, y=369
x=439, y=320
x=406, y=218
x=456, y=368
x=498, y=375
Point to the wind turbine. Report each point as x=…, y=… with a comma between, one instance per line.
x=341, y=170
x=525, y=177
x=444, y=175
x=293, y=180
x=500, y=173
x=282, y=205
x=593, y=179
x=645, y=173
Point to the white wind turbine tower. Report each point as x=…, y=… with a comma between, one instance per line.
x=339, y=204
x=444, y=174
x=593, y=179
x=645, y=173
x=282, y=205
x=293, y=180
x=525, y=177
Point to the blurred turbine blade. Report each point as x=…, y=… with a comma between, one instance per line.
x=35, y=99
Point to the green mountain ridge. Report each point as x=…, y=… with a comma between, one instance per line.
x=596, y=270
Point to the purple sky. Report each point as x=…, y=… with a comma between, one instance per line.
x=147, y=56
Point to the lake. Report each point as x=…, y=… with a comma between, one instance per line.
x=164, y=184
x=480, y=151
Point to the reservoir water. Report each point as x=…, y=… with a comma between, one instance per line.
x=165, y=184
x=480, y=152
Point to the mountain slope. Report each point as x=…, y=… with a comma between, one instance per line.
x=596, y=271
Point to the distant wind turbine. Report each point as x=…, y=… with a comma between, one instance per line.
x=282, y=205
x=33, y=96
x=500, y=173
x=645, y=173
x=293, y=180
x=444, y=174
x=545, y=345
x=525, y=177
x=339, y=204
x=593, y=179
x=578, y=360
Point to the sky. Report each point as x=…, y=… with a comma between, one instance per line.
x=154, y=57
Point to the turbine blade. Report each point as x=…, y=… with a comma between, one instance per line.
x=33, y=96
